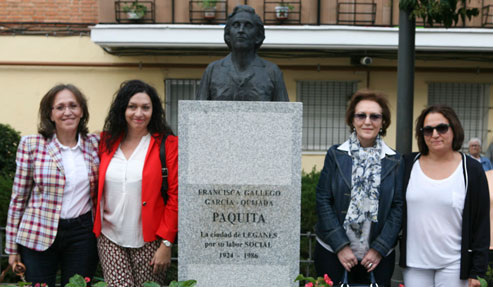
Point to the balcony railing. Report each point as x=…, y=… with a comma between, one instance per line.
x=487, y=16
x=282, y=12
x=216, y=14
x=131, y=11
x=359, y=12
x=382, y=13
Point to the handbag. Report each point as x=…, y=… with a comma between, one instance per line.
x=345, y=283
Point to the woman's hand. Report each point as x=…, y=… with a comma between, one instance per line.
x=14, y=258
x=371, y=260
x=162, y=259
x=347, y=258
x=474, y=283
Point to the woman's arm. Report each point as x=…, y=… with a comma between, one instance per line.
x=169, y=222
x=480, y=220
x=21, y=190
x=388, y=236
x=328, y=228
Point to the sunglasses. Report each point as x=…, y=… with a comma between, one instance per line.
x=363, y=116
x=441, y=129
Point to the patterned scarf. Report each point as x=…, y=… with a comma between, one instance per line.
x=365, y=180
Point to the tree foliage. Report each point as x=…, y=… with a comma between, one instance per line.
x=446, y=12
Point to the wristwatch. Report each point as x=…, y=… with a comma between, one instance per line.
x=167, y=243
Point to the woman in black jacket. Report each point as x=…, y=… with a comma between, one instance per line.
x=446, y=215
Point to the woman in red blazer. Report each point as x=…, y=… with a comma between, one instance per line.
x=135, y=228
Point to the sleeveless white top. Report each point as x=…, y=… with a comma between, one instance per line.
x=434, y=218
x=122, y=213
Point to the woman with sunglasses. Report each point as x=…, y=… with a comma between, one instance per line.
x=446, y=225
x=359, y=197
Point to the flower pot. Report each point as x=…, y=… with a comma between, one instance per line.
x=282, y=12
x=133, y=15
x=210, y=13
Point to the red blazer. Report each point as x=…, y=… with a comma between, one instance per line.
x=158, y=221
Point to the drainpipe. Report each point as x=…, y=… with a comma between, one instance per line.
x=405, y=82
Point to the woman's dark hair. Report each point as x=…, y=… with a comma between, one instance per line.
x=453, y=120
x=115, y=125
x=46, y=127
x=256, y=19
x=369, y=95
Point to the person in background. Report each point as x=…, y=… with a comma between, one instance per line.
x=135, y=228
x=359, y=197
x=49, y=224
x=489, y=152
x=475, y=152
x=446, y=226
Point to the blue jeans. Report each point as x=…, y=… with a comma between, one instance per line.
x=327, y=262
x=74, y=251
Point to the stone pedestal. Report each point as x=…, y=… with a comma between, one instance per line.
x=239, y=193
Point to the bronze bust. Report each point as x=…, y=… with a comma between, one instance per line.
x=242, y=75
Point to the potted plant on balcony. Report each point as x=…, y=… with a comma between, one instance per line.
x=282, y=10
x=135, y=11
x=209, y=7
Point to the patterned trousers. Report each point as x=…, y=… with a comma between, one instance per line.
x=130, y=267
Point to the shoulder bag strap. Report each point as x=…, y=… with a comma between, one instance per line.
x=164, y=170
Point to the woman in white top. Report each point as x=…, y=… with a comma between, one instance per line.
x=446, y=219
x=49, y=225
x=134, y=226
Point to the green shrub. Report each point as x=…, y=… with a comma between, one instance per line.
x=5, y=191
x=9, y=140
x=309, y=183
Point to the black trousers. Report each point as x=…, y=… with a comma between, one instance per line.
x=74, y=251
x=327, y=262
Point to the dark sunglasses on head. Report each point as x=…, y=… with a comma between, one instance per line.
x=441, y=129
x=363, y=116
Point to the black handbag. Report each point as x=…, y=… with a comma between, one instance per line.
x=345, y=282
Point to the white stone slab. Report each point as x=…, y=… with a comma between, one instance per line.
x=239, y=192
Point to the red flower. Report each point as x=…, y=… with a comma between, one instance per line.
x=309, y=284
x=401, y=285
x=328, y=280
x=44, y=285
x=37, y=285
x=87, y=279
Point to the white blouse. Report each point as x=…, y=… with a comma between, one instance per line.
x=434, y=218
x=122, y=213
x=76, y=194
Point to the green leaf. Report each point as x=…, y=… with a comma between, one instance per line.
x=299, y=278
x=482, y=282
x=189, y=283
x=77, y=281
x=100, y=284
x=150, y=284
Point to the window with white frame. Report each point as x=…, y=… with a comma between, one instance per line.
x=176, y=90
x=470, y=101
x=324, y=108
